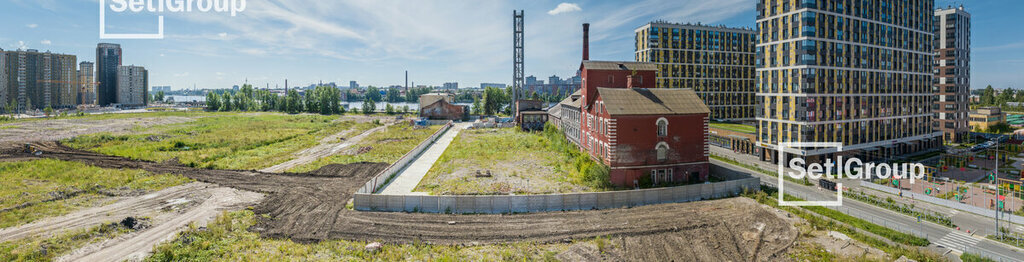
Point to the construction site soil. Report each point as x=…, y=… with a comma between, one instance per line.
x=310, y=207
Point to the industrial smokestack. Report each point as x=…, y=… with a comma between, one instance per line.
x=586, y=41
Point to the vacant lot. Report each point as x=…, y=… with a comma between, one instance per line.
x=50, y=129
x=228, y=141
x=43, y=188
x=517, y=162
x=386, y=146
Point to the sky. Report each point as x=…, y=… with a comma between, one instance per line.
x=375, y=41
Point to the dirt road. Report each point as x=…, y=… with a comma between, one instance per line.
x=310, y=207
x=328, y=146
x=57, y=129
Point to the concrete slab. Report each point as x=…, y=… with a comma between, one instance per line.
x=409, y=177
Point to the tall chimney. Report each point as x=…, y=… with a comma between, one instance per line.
x=586, y=41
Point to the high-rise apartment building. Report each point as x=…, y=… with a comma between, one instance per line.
x=108, y=58
x=854, y=72
x=952, y=82
x=132, y=86
x=3, y=83
x=717, y=62
x=37, y=80
x=87, y=88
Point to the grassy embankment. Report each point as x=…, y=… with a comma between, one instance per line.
x=37, y=189
x=829, y=219
x=386, y=146
x=227, y=239
x=522, y=162
x=227, y=141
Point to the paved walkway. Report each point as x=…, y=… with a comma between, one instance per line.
x=410, y=176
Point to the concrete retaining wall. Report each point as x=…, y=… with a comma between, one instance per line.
x=942, y=202
x=552, y=202
x=385, y=176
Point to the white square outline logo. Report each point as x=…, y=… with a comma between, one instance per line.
x=103, y=27
x=781, y=155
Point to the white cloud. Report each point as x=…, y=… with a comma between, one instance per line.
x=21, y=45
x=46, y=42
x=32, y=25
x=223, y=35
x=565, y=8
x=181, y=74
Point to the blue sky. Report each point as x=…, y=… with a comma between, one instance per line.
x=374, y=41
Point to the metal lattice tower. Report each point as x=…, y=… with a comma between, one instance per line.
x=517, y=58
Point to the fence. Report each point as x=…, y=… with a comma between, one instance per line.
x=552, y=202
x=946, y=203
x=387, y=174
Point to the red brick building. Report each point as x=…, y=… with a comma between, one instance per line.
x=640, y=131
x=439, y=107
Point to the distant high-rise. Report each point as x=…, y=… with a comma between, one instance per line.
x=451, y=86
x=87, y=89
x=36, y=80
x=854, y=72
x=132, y=86
x=353, y=84
x=108, y=59
x=3, y=82
x=716, y=62
x=952, y=83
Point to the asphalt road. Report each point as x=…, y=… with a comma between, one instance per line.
x=943, y=239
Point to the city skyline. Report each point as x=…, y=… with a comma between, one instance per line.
x=435, y=42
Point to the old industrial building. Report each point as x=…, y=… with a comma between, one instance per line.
x=716, y=61
x=439, y=106
x=639, y=131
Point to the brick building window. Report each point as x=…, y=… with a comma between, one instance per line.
x=662, y=149
x=662, y=127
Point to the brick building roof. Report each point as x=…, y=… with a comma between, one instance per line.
x=616, y=65
x=658, y=101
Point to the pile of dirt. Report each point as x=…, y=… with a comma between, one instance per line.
x=311, y=207
x=349, y=170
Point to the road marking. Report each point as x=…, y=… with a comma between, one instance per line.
x=1021, y=228
x=954, y=212
x=956, y=240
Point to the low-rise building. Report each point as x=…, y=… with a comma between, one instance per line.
x=986, y=117
x=568, y=116
x=645, y=135
x=438, y=106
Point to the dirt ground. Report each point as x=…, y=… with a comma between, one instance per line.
x=57, y=129
x=310, y=207
x=328, y=146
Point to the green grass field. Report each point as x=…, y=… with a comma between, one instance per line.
x=386, y=146
x=735, y=127
x=525, y=162
x=43, y=188
x=220, y=141
x=226, y=239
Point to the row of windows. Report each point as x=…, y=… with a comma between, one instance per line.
x=849, y=133
x=811, y=109
x=839, y=81
x=916, y=14
x=696, y=57
x=694, y=39
x=825, y=53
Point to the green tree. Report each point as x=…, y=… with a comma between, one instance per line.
x=159, y=96
x=477, y=106
x=405, y=109
x=389, y=109
x=293, y=103
x=369, y=106
x=212, y=101
x=988, y=96
x=226, y=104
x=48, y=111
x=373, y=94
